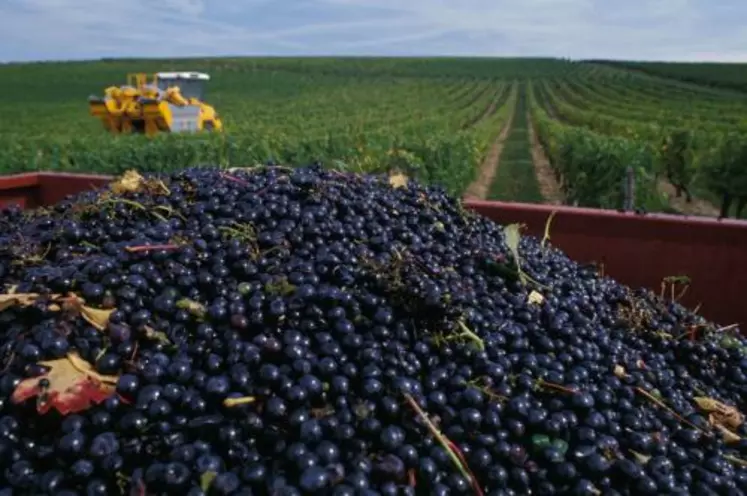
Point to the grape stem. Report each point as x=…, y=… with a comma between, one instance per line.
x=165, y=188
x=467, y=333
x=243, y=400
x=661, y=404
x=142, y=248
x=451, y=449
x=546, y=236
x=735, y=460
x=8, y=363
x=727, y=328
x=137, y=205
x=235, y=179
x=557, y=387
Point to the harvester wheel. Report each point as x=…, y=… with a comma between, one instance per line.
x=208, y=126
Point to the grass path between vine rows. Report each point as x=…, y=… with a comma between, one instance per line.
x=479, y=188
x=697, y=206
x=548, y=185
x=515, y=180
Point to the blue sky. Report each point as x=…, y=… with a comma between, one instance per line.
x=630, y=29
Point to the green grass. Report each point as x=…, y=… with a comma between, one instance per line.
x=515, y=179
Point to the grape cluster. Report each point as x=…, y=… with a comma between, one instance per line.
x=282, y=331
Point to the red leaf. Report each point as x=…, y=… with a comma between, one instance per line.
x=71, y=386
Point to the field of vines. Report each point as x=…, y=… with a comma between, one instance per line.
x=597, y=134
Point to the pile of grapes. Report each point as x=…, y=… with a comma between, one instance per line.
x=282, y=331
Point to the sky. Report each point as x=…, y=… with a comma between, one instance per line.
x=678, y=30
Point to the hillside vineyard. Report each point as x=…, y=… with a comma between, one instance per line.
x=531, y=128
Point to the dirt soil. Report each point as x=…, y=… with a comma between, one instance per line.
x=479, y=188
x=696, y=207
x=549, y=186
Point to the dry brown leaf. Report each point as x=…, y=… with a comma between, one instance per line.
x=97, y=317
x=733, y=419
x=535, y=298
x=17, y=300
x=707, y=404
x=130, y=182
x=71, y=386
x=619, y=371
x=724, y=418
x=729, y=436
x=398, y=180
x=722, y=413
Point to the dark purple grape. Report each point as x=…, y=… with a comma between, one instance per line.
x=279, y=345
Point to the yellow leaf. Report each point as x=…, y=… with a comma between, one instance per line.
x=619, y=371
x=398, y=180
x=206, y=480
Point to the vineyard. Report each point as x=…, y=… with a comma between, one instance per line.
x=535, y=130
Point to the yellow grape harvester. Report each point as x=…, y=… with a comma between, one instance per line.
x=170, y=102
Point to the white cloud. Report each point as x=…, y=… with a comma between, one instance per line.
x=639, y=29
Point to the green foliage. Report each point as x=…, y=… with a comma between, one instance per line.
x=433, y=118
x=717, y=74
x=593, y=167
x=724, y=168
x=676, y=158
x=682, y=126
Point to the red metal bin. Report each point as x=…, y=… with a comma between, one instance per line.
x=638, y=250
